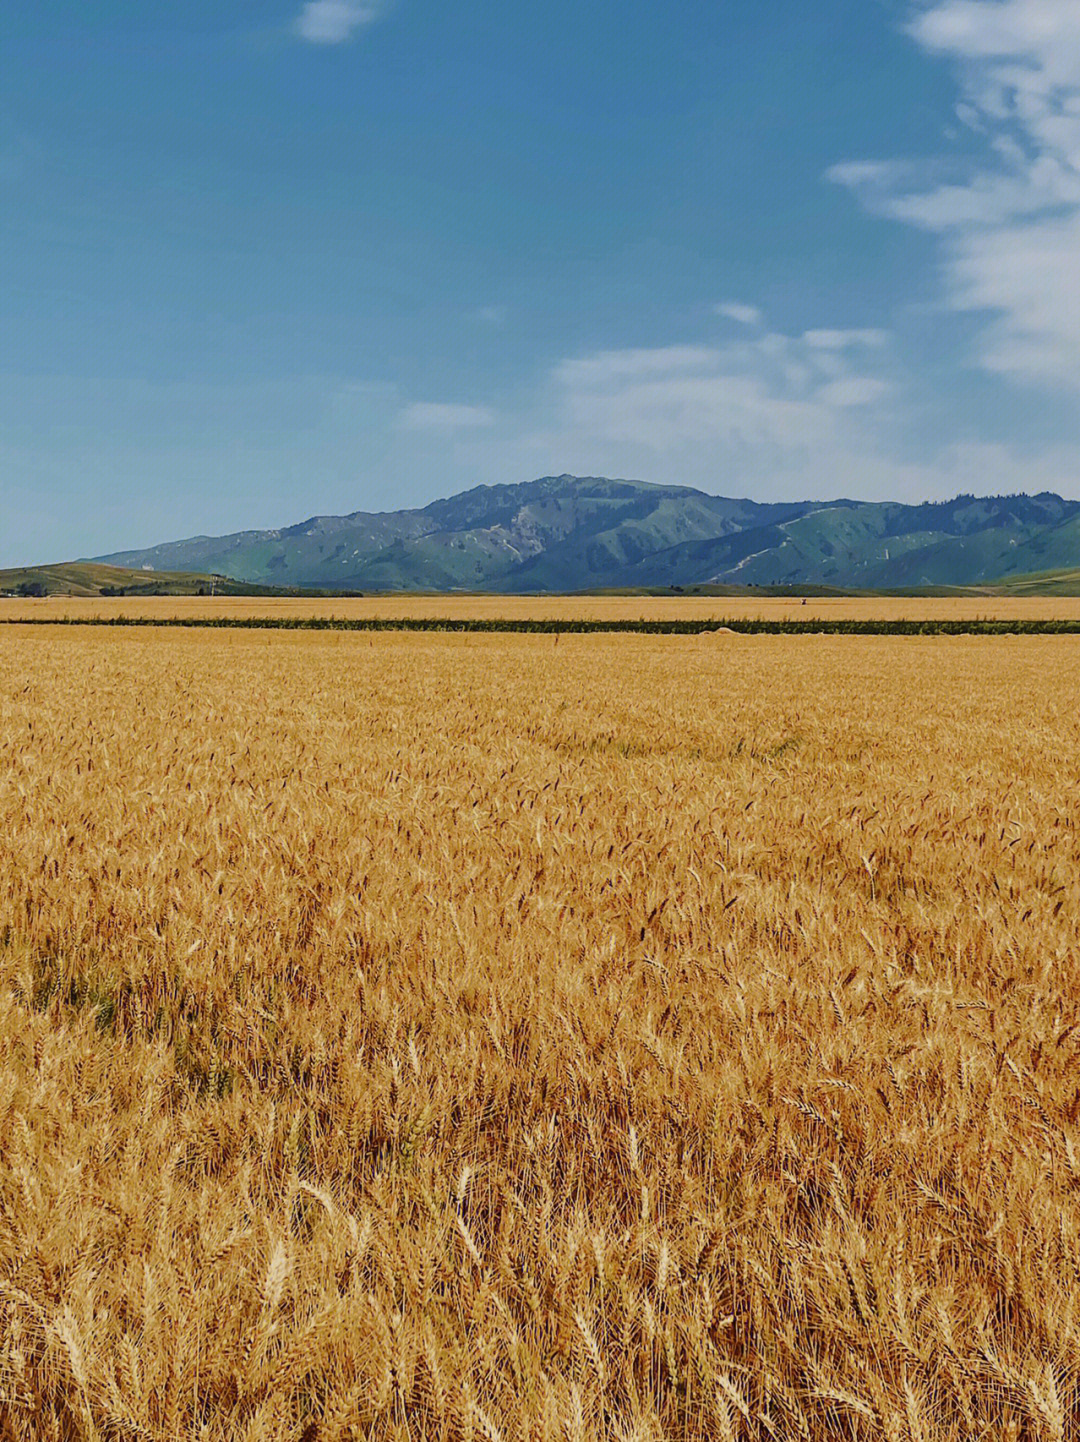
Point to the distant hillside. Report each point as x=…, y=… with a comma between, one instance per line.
x=1042, y=583
x=89, y=578
x=565, y=533
x=558, y=533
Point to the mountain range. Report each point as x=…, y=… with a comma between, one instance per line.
x=568, y=533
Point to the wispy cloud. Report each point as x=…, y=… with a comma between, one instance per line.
x=492, y=315
x=331, y=22
x=844, y=339
x=1010, y=225
x=853, y=391
x=768, y=413
x=738, y=312
x=607, y=366
x=438, y=416
x=773, y=388
x=823, y=414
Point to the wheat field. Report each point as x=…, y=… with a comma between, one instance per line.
x=510, y=1037
x=542, y=608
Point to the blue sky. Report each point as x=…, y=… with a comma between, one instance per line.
x=259, y=261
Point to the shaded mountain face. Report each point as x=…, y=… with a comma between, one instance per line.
x=566, y=533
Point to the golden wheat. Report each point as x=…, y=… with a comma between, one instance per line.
x=444, y=1037
x=542, y=608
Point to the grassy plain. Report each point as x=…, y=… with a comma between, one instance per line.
x=602, y=607
x=509, y=1037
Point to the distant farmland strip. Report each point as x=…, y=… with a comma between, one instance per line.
x=740, y=625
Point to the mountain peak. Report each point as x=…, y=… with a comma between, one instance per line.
x=569, y=532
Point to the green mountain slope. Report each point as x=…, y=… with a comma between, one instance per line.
x=881, y=546
x=565, y=533
x=547, y=534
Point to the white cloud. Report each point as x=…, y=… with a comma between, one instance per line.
x=675, y=412
x=741, y=314
x=1010, y=226
x=844, y=339
x=330, y=22
x=770, y=414
x=854, y=391
x=775, y=389
x=606, y=366
x=436, y=416
x=1029, y=274
x=993, y=29
x=778, y=417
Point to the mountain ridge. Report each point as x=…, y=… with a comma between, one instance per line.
x=564, y=533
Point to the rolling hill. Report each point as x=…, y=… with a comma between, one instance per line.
x=564, y=533
x=89, y=578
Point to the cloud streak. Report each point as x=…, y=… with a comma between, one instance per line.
x=824, y=414
x=439, y=416
x=839, y=340
x=774, y=390
x=332, y=22
x=738, y=312
x=765, y=414
x=1010, y=225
